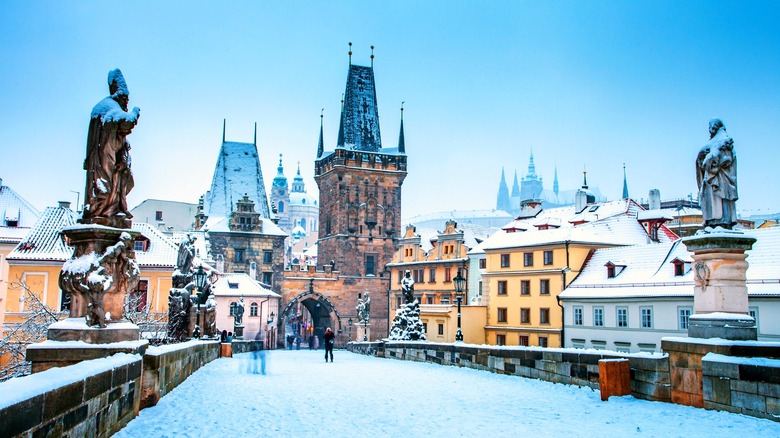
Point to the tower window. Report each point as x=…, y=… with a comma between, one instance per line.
x=370, y=265
x=158, y=215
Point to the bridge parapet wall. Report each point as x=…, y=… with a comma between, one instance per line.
x=91, y=398
x=166, y=367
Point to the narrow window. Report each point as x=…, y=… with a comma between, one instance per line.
x=684, y=314
x=525, y=315
x=622, y=317
x=528, y=259
x=253, y=309
x=544, y=287
x=544, y=316
x=524, y=340
x=504, y=260
x=502, y=314
x=578, y=316
x=548, y=257
x=502, y=288
x=525, y=287
x=158, y=215
x=647, y=317
x=598, y=317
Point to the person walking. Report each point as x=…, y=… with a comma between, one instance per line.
x=329, y=339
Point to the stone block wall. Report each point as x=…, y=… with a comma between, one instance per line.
x=649, y=374
x=165, y=367
x=91, y=398
x=741, y=385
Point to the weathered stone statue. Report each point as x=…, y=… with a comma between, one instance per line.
x=239, y=314
x=182, y=275
x=407, y=286
x=364, y=308
x=109, y=178
x=716, y=176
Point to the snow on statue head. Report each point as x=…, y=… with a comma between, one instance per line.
x=116, y=83
x=715, y=125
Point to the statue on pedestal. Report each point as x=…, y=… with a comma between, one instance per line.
x=716, y=176
x=407, y=286
x=109, y=177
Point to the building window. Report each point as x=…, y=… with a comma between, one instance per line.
x=281, y=207
x=524, y=341
x=482, y=263
x=610, y=271
x=502, y=314
x=623, y=347
x=432, y=275
x=253, y=309
x=480, y=288
x=398, y=302
x=622, y=317
x=428, y=299
x=647, y=317
x=417, y=275
x=528, y=259
x=544, y=287
x=268, y=257
x=683, y=315
x=445, y=298
x=543, y=341
x=578, y=316
x=447, y=275
x=267, y=278
x=370, y=267
x=502, y=287
x=239, y=256
x=679, y=269
x=525, y=315
x=525, y=287
x=138, y=245
x=544, y=316
x=753, y=312
x=158, y=215
x=500, y=339
x=598, y=317
x=504, y=260
x=137, y=299
x=441, y=329
x=548, y=257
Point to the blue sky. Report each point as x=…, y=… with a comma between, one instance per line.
x=584, y=84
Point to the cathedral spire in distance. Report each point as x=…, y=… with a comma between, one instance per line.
x=555, y=182
x=502, y=202
x=531, y=167
x=515, y=187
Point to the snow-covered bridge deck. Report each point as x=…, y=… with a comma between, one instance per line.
x=301, y=395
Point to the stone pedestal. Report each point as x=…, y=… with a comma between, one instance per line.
x=75, y=329
x=239, y=332
x=50, y=354
x=720, y=299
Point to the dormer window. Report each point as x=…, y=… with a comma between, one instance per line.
x=681, y=267
x=141, y=243
x=614, y=269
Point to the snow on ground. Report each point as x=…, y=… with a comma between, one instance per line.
x=357, y=395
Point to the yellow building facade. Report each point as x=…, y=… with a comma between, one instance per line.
x=433, y=272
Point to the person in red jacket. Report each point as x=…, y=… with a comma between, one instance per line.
x=329, y=339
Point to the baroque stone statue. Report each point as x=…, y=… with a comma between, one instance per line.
x=716, y=176
x=364, y=308
x=109, y=177
x=407, y=286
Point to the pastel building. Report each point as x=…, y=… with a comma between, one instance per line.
x=628, y=298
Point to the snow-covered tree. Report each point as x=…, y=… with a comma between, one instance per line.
x=407, y=325
x=16, y=337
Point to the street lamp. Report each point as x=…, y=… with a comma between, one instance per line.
x=199, y=277
x=349, y=322
x=460, y=286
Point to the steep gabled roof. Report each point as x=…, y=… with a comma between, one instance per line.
x=17, y=212
x=44, y=242
x=237, y=173
x=241, y=285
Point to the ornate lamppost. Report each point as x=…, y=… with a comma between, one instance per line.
x=199, y=277
x=460, y=286
x=270, y=329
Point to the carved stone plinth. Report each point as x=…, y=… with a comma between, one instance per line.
x=75, y=329
x=239, y=332
x=720, y=299
x=49, y=354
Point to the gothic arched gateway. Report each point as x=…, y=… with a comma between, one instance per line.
x=310, y=313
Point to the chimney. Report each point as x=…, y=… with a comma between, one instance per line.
x=654, y=203
x=580, y=200
x=64, y=204
x=530, y=208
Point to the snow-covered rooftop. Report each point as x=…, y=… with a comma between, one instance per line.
x=650, y=271
x=241, y=285
x=237, y=173
x=17, y=216
x=359, y=124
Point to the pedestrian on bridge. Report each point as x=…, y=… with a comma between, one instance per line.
x=329, y=340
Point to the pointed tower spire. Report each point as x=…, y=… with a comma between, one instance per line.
x=350, y=53
x=515, y=187
x=531, y=167
x=585, y=179
x=502, y=202
x=372, y=56
x=625, y=183
x=321, y=144
x=255, y=134
x=224, y=123
x=401, y=141
x=555, y=182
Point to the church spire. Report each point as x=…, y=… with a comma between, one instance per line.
x=321, y=144
x=555, y=182
x=515, y=187
x=585, y=179
x=502, y=203
x=401, y=142
x=255, y=134
x=625, y=183
x=224, y=124
x=531, y=167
